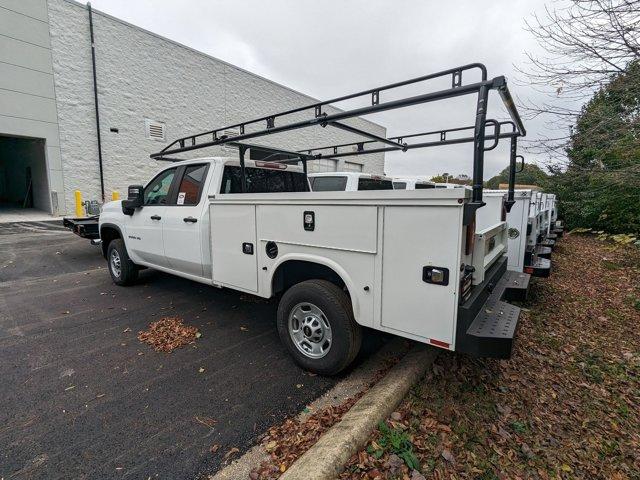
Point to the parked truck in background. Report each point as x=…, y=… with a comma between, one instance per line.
x=348, y=182
x=411, y=183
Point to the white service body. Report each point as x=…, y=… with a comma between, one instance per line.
x=376, y=241
x=517, y=220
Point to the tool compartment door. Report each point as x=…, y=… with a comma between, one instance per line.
x=415, y=237
x=233, y=246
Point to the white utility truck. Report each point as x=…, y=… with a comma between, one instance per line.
x=556, y=225
x=411, y=263
x=411, y=183
x=537, y=256
x=348, y=182
x=517, y=222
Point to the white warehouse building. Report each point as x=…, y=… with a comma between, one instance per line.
x=149, y=90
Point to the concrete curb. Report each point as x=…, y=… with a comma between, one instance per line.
x=328, y=457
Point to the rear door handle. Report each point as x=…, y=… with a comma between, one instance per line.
x=155, y=217
x=190, y=219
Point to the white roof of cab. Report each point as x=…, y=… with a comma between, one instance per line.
x=350, y=174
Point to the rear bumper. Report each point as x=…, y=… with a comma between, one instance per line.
x=548, y=242
x=541, y=267
x=543, y=252
x=86, y=227
x=487, y=324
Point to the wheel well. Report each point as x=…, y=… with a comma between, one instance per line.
x=295, y=271
x=107, y=234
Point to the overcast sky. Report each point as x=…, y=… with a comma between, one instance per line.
x=332, y=47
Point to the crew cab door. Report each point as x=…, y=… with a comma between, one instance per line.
x=144, y=227
x=184, y=221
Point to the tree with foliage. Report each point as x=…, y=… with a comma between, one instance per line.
x=600, y=187
x=586, y=43
x=461, y=179
x=532, y=174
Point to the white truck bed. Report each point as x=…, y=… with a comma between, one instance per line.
x=364, y=237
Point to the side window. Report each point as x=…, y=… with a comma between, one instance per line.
x=262, y=180
x=420, y=186
x=400, y=185
x=191, y=184
x=365, y=183
x=157, y=191
x=329, y=184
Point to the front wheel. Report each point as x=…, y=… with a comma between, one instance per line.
x=123, y=271
x=316, y=324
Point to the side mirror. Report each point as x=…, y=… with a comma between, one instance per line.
x=135, y=199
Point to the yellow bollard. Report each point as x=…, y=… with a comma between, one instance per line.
x=115, y=195
x=79, y=207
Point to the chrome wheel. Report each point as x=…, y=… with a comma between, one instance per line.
x=310, y=330
x=116, y=266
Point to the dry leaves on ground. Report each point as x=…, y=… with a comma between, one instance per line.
x=565, y=406
x=286, y=442
x=167, y=334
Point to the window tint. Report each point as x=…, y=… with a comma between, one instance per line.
x=420, y=186
x=191, y=185
x=157, y=191
x=262, y=180
x=400, y=185
x=328, y=184
x=374, y=184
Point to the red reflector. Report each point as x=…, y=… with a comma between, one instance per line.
x=528, y=269
x=438, y=343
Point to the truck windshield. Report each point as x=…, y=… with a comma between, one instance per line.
x=263, y=180
x=328, y=184
x=374, y=184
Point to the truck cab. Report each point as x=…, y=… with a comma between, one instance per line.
x=174, y=213
x=348, y=182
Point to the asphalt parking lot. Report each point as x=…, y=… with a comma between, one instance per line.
x=83, y=398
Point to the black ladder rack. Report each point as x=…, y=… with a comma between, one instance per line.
x=267, y=125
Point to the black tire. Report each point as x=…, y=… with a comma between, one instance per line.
x=336, y=306
x=128, y=272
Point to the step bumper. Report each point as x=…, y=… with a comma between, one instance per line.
x=487, y=323
x=541, y=267
x=548, y=242
x=544, y=252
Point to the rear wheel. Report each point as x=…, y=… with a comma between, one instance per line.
x=316, y=324
x=123, y=271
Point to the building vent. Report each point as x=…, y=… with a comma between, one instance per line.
x=155, y=130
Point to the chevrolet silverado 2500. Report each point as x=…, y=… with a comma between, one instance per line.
x=407, y=262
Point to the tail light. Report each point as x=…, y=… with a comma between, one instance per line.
x=471, y=230
x=271, y=165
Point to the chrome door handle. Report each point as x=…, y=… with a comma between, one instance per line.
x=190, y=219
x=155, y=217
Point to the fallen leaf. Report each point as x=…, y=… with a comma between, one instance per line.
x=448, y=456
x=231, y=452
